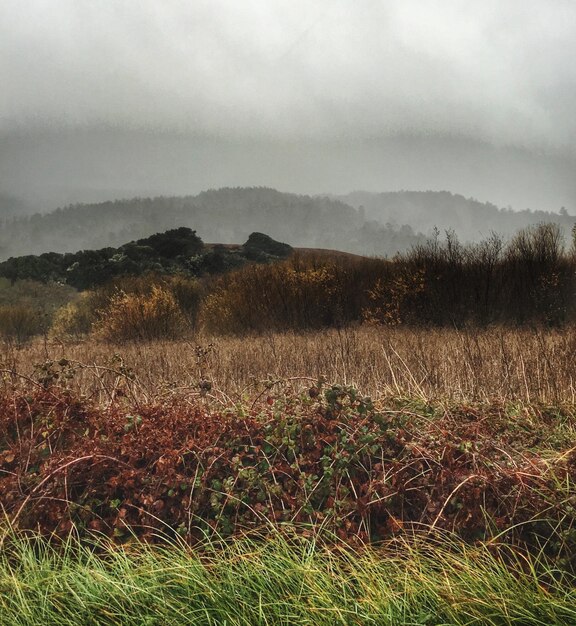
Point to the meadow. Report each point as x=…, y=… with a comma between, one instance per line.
x=363, y=475
x=327, y=439
x=530, y=365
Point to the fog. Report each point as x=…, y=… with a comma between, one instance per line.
x=116, y=98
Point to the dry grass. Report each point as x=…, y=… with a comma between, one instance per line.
x=435, y=365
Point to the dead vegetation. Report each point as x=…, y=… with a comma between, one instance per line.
x=366, y=432
x=328, y=457
x=529, y=365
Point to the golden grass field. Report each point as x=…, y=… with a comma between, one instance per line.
x=527, y=365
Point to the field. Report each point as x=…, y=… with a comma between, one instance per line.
x=510, y=365
x=366, y=475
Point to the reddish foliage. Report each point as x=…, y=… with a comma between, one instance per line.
x=320, y=459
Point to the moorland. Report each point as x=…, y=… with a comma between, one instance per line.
x=260, y=435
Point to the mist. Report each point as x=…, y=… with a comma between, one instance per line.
x=51, y=169
x=102, y=100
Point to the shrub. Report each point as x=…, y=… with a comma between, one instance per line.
x=173, y=243
x=75, y=318
x=292, y=295
x=188, y=294
x=326, y=457
x=259, y=246
x=93, y=307
x=19, y=323
x=141, y=317
x=391, y=300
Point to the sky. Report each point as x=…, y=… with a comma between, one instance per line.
x=294, y=85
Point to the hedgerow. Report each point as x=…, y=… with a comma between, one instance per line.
x=325, y=457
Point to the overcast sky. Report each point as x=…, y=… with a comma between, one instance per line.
x=499, y=71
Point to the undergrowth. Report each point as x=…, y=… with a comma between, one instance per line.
x=324, y=455
x=295, y=501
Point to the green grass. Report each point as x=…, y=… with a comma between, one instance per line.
x=278, y=581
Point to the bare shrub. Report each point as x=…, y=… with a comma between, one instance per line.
x=19, y=323
x=528, y=280
x=543, y=275
x=135, y=317
x=90, y=311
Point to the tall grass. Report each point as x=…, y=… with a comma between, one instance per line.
x=278, y=581
x=527, y=365
x=278, y=578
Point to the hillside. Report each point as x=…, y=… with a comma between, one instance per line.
x=177, y=251
x=469, y=218
x=365, y=223
x=225, y=215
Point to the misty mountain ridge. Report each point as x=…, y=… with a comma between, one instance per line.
x=361, y=222
x=226, y=215
x=471, y=219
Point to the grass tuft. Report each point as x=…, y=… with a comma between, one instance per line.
x=278, y=580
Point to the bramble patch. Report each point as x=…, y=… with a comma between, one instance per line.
x=329, y=458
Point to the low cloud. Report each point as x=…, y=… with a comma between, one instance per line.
x=501, y=72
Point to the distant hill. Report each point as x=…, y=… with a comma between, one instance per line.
x=470, y=219
x=177, y=251
x=379, y=224
x=226, y=215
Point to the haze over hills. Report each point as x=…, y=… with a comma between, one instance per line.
x=219, y=216
x=123, y=101
x=11, y=206
x=471, y=219
x=364, y=223
x=52, y=168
